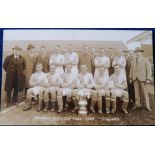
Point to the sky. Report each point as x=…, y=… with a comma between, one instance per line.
x=104, y=35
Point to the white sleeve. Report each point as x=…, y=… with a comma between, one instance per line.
x=107, y=64
x=76, y=58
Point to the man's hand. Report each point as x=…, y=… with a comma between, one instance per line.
x=148, y=81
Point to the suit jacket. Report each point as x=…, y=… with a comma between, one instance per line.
x=14, y=69
x=30, y=60
x=85, y=59
x=128, y=66
x=140, y=69
x=44, y=61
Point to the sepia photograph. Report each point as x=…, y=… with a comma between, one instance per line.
x=77, y=77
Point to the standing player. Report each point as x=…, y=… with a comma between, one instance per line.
x=118, y=89
x=37, y=82
x=121, y=61
x=84, y=85
x=101, y=85
x=51, y=91
x=72, y=58
x=57, y=59
x=101, y=60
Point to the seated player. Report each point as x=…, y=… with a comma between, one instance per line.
x=68, y=85
x=84, y=85
x=37, y=82
x=118, y=87
x=101, y=85
x=52, y=88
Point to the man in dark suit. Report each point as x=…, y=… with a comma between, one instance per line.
x=129, y=57
x=14, y=66
x=85, y=58
x=43, y=59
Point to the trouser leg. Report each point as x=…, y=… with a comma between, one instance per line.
x=8, y=96
x=137, y=94
x=15, y=91
x=26, y=92
x=125, y=102
x=144, y=92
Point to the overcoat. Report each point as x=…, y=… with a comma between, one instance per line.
x=11, y=66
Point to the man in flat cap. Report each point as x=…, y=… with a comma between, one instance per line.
x=140, y=74
x=30, y=57
x=14, y=66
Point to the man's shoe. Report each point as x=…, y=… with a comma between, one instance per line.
x=100, y=111
x=75, y=109
x=45, y=110
x=113, y=111
x=28, y=107
x=39, y=108
x=125, y=111
x=149, y=109
x=92, y=110
x=52, y=110
x=6, y=104
x=60, y=110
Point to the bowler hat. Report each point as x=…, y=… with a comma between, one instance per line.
x=16, y=48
